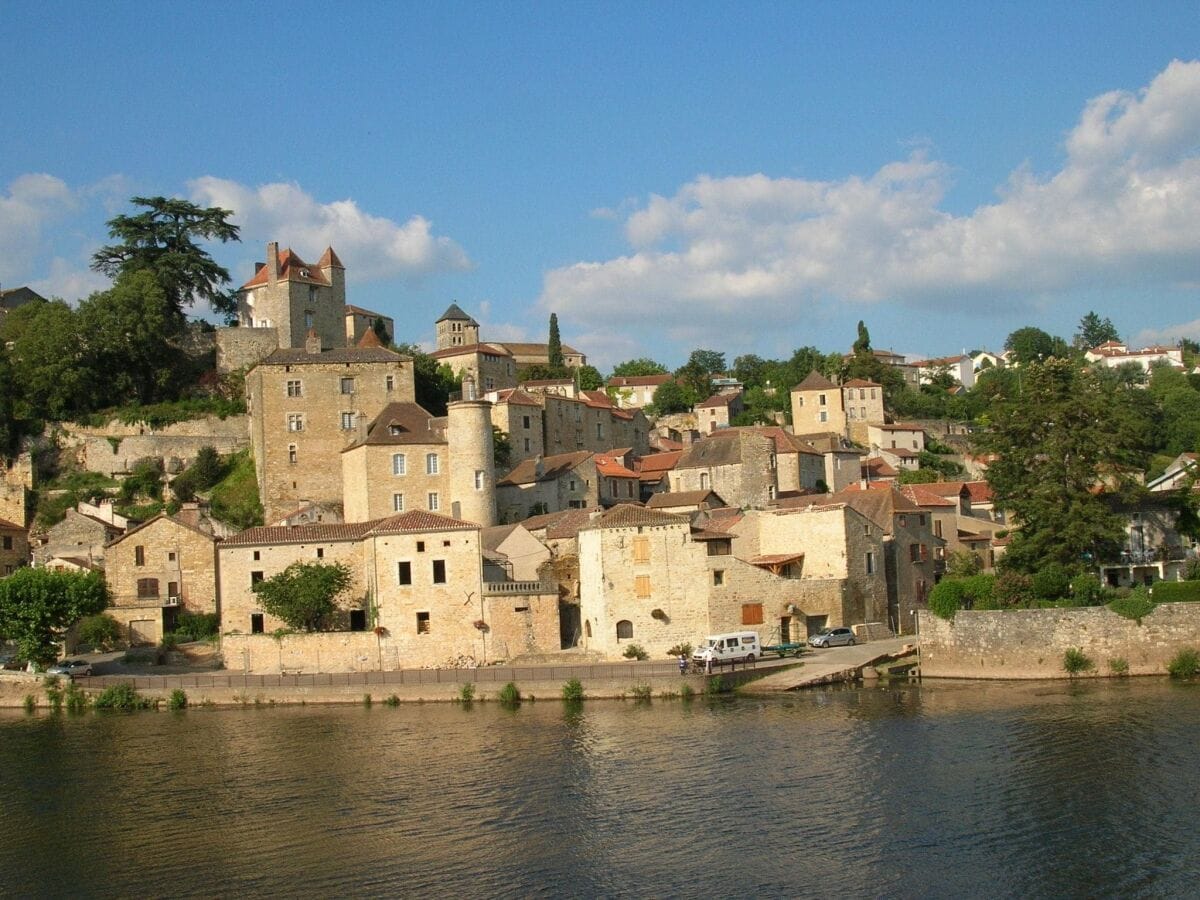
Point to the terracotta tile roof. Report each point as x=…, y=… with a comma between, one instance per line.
x=493, y=536
x=861, y=383
x=716, y=401
x=484, y=349
x=549, y=382
x=657, y=463
x=562, y=524
x=627, y=515
x=292, y=268
x=610, y=468
x=320, y=532
x=329, y=258
x=918, y=495
x=417, y=521
x=518, y=349
x=898, y=426
x=525, y=472
x=874, y=467
x=622, y=381
x=298, y=356
x=775, y=559
x=901, y=452
x=980, y=491
x=174, y=520
x=682, y=498
x=402, y=423
x=6, y=525
x=940, y=361
x=369, y=339
x=665, y=444
x=517, y=397
x=359, y=311
x=722, y=519
x=815, y=381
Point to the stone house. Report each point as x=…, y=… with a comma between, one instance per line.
x=718, y=411
x=820, y=405
x=83, y=534
x=654, y=472
x=547, y=422
x=739, y=464
x=548, y=484
x=841, y=460
x=359, y=321
x=1113, y=354
x=490, y=365
x=518, y=414
x=618, y=484
x=521, y=554
x=406, y=459
x=159, y=568
x=900, y=436
x=304, y=408
x=686, y=503
x=14, y=546
x=635, y=391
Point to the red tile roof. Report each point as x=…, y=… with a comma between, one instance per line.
x=621, y=381
x=610, y=468
x=484, y=349
x=418, y=521
x=627, y=515
x=292, y=268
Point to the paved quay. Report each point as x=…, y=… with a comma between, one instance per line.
x=827, y=666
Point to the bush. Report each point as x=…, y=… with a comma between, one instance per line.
x=30, y=703
x=509, y=695
x=121, y=696
x=77, y=700
x=717, y=684
x=99, y=631
x=197, y=626
x=1176, y=591
x=466, y=692
x=1086, y=590
x=235, y=498
x=1075, y=661
x=1135, y=606
x=635, y=651
x=641, y=693
x=145, y=656
x=573, y=690
x=1185, y=663
x=392, y=700
x=54, y=693
x=680, y=650
x=1118, y=665
x=963, y=564
x=1051, y=582
x=169, y=641
x=179, y=699
x=946, y=598
x=1012, y=589
x=686, y=693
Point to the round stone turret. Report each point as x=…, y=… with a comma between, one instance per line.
x=472, y=469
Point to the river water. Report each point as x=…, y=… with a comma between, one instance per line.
x=939, y=790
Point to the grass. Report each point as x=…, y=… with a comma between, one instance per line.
x=178, y=699
x=1076, y=662
x=572, y=691
x=641, y=693
x=30, y=703
x=686, y=693
x=1185, y=663
x=509, y=695
x=1118, y=666
x=466, y=692
x=235, y=497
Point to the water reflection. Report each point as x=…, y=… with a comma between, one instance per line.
x=902, y=791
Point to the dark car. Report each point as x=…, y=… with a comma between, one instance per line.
x=832, y=637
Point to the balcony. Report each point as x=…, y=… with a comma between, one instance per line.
x=507, y=588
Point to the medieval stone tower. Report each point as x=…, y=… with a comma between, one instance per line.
x=456, y=329
x=294, y=298
x=472, y=470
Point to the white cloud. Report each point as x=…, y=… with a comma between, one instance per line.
x=726, y=251
x=372, y=247
x=31, y=203
x=1168, y=336
x=69, y=281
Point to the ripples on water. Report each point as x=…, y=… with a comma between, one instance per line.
x=957, y=790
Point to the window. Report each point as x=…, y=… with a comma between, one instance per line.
x=624, y=630
x=439, y=571
x=823, y=416
x=256, y=623
x=870, y=562
x=862, y=394
x=937, y=528
x=139, y=556
x=255, y=578
x=641, y=549
x=641, y=586
x=903, y=521
x=292, y=454
x=147, y=588
x=420, y=546
x=358, y=620
x=570, y=484
x=347, y=385
x=295, y=389
x=489, y=383
x=431, y=463
x=422, y=623
x=850, y=412
x=599, y=431
x=170, y=556
x=821, y=399
x=752, y=613
x=718, y=577
x=914, y=552
x=774, y=461
x=862, y=412
x=308, y=313
x=320, y=553
x=525, y=422
x=399, y=464
x=397, y=503
x=403, y=573
x=704, y=481
x=257, y=555
x=295, y=422
x=528, y=445
x=347, y=421
x=389, y=383
x=771, y=491
x=431, y=501
x=479, y=479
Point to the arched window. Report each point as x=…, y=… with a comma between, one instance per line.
x=624, y=630
x=587, y=629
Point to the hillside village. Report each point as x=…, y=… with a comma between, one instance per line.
x=537, y=515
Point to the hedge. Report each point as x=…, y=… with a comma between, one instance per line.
x=1176, y=591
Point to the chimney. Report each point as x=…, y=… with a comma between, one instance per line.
x=272, y=262
x=361, y=421
x=468, y=388
x=312, y=342
x=539, y=466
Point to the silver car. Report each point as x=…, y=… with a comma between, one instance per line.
x=832, y=637
x=71, y=667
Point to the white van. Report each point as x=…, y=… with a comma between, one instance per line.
x=737, y=646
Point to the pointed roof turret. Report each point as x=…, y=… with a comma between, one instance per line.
x=815, y=382
x=370, y=339
x=454, y=314
x=329, y=259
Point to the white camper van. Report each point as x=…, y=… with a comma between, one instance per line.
x=737, y=646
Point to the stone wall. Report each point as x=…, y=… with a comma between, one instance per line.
x=1030, y=643
x=115, y=448
x=243, y=348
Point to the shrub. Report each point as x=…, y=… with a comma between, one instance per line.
x=169, y=641
x=717, y=684
x=1118, y=665
x=680, y=650
x=146, y=656
x=367, y=700
x=121, y=696
x=197, y=626
x=179, y=699
x=1185, y=663
x=99, y=631
x=1176, y=591
x=1136, y=606
x=1051, y=582
x=77, y=700
x=30, y=703
x=635, y=651
x=946, y=598
x=573, y=690
x=1086, y=590
x=1075, y=661
x=686, y=693
x=963, y=564
x=641, y=693
x=466, y=692
x=509, y=695
x=1012, y=589
x=393, y=700
x=54, y=693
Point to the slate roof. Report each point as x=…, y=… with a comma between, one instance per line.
x=454, y=314
x=553, y=467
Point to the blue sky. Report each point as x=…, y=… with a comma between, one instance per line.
x=749, y=178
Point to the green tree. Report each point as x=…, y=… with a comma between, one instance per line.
x=235, y=498
x=589, y=378
x=696, y=375
x=669, y=398
x=501, y=450
x=640, y=366
x=57, y=377
x=1055, y=444
x=304, y=595
x=862, y=343
x=201, y=475
x=433, y=382
x=163, y=239
x=37, y=606
x=1094, y=331
x=1030, y=345
x=1178, y=425
x=554, y=351
x=381, y=332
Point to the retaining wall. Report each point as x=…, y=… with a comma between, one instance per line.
x=1030, y=643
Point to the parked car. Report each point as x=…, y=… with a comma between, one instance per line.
x=832, y=637
x=71, y=667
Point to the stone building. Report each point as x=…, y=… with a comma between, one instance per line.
x=490, y=365
x=157, y=569
x=14, y=546
x=820, y=405
x=547, y=422
x=548, y=484
x=718, y=411
x=82, y=535
x=842, y=461
x=635, y=391
x=359, y=321
x=296, y=298
x=407, y=459
x=518, y=414
x=305, y=406
x=739, y=464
